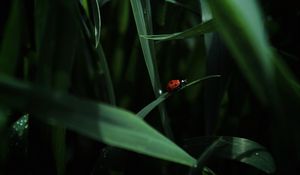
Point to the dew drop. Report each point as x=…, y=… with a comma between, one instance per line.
x=160, y=92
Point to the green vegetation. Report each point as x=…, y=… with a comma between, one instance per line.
x=83, y=87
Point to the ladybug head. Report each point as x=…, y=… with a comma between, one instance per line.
x=183, y=82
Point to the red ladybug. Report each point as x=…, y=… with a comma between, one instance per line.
x=174, y=85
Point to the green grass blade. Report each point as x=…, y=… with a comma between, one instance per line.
x=98, y=56
x=144, y=27
x=241, y=26
x=97, y=21
x=209, y=150
x=102, y=2
x=107, y=77
x=199, y=29
x=102, y=122
x=234, y=148
x=147, y=109
x=143, y=19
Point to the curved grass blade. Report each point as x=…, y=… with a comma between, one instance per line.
x=234, y=148
x=92, y=8
x=99, y=57
x=147, y=109
x=144, y=26
x=205, y=155
x=97, y=21
x=200, y=29
x=108, y=81
x=114, y=126
x=143, y=18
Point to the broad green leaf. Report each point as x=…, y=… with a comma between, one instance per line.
x=239, y=149
x=241, y=26
x=147, y=109
x=199, y=29
x=114, y=126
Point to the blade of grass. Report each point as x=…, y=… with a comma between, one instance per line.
x=147, y=109
x=99, y=58
x=97, y=20
x=144, y=27
x=142, y=15
x=108, y=81
x=99, y=121
x=234, y=148
x=205, y=155
x=197, y=30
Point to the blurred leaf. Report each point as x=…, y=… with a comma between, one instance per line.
x=102, y=122
x=239, y=149
x=241, y=26
x=11, y=41
x=124, y=10
x=85, y=6
x=147, y=109
x=199, y=29
x=207, y=171
x=57, y=34
x=206, y=15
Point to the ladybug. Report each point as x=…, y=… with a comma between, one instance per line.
x=174, y=85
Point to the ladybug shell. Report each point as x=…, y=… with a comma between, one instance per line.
x=173, y=85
